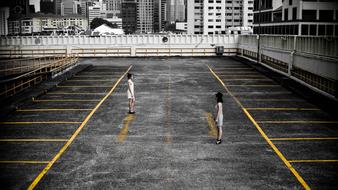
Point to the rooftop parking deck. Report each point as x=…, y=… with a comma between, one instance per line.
x=78, y=135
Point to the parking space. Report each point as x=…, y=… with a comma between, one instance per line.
x=303, y=136
x=35, y=133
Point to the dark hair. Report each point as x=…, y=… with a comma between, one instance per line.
x=129, y=75
x=219, y=97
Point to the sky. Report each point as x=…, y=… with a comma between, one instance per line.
x=36, y=3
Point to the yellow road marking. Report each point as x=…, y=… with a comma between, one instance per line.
x=124, y=131
x=33, y=140
x=212, y=126
x=51, y=109
x=312, y=161
x=279, y=154
x=69, y=142
x=37, y=122
x=304, y=139
x=284, y=109
x=66, y=100
x=256, y=85
x=76, y=93
x=258, y=79
x=89, y=76
x=72, y=80
x=22, y=162
x=292, y=122
x=82, y=86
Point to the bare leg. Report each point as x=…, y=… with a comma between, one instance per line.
x=130, y=104
x=133, y=105
x=220, y=132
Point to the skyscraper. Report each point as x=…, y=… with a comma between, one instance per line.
x=176, y=10
x=216, y=16
x=145, y=16
x=113, y=8
x=129, y=16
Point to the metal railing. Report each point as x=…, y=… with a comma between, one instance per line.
x=18, y=66
x=10, y=87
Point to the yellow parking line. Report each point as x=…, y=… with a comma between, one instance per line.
x=69, y=142
x=51, y=109
x=312, y=161
x=33, y=140
x=90, y=76
x=76, y=93
x=211, y=124
x=295, y=122
x=260, y=130
x=66, y=100
x=304, y=139
x=22, y=162
x=284, y=109
x=71, y=80
x=83, y=86
x=256, y=85
x=37, y=122
x=121, y=137
x=261, y=79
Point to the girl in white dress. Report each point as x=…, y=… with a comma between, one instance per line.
x=131, y=93
x=219, y=116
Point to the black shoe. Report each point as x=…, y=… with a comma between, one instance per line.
x=218, y=141
x=132, y=112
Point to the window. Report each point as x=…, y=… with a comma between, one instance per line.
x=210, y=33
x=329, y=30
x=313, y=29
x=326, y=15
x=218, y=26
x=210, y=26
x=309, y=15
x=294, y=13
x=290, y=2
x=286, y=14
x=321, y=30
x=305, y=29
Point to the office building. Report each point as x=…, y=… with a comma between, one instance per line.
x=129, y=16
x=216, y=16
x=145, y=16
x=176, y=10
x=4, y=15
x=296, y=17
x=113, y=8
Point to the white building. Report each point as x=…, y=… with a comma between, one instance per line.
x=296, y=17
x=4, y=14
x=182, y=27
x=215, y=16
x=40, y=23
x=145, y=14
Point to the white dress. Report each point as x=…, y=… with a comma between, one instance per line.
x=130, y=91
x=220, y=117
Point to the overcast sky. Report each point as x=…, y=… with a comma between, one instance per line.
x=36, y=3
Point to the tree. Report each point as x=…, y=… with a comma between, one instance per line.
x=170, y=27
x=96, y=22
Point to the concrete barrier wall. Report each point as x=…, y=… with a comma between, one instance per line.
x=122, y=45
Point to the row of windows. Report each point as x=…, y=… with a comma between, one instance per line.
x=306, y=29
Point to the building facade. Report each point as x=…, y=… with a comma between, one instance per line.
x=145, y=16
x=216, y=16
x=4, y=15
x=47, y=6
x=42, y=23
x=129, y=15
x=114, y=8
x=176, y=10
x=296, y=17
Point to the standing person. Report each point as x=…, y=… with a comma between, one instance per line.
x=219, y=116
x=131, y=93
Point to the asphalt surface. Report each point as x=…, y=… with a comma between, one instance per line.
x=170, y=142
